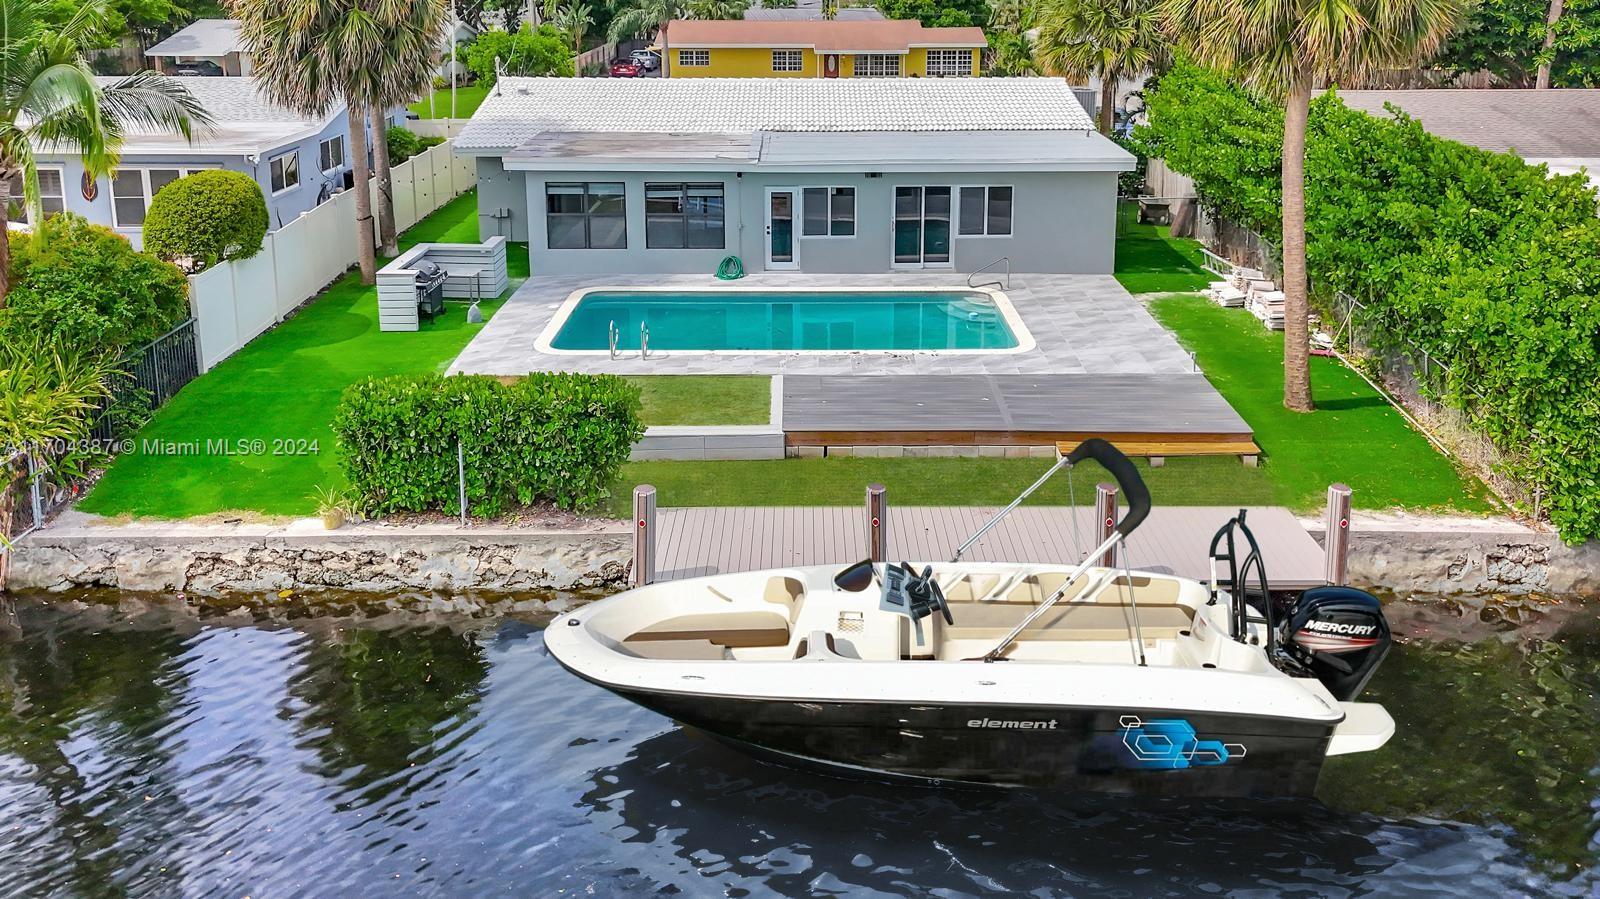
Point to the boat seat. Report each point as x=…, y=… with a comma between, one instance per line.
x=1066, y=621
x=970, y=588
x=819, y=646
x=787, y=592
x=735, y=630
x=677, y=650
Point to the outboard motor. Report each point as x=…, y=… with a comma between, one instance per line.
x=1338, y=635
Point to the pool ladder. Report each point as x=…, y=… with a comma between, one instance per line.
x=1003, y=260
x=614, y=334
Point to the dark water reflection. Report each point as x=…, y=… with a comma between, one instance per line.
x=163, y=756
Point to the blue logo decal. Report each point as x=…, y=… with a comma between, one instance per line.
x=1171, y=743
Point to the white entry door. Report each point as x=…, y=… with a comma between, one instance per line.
x=782, y=250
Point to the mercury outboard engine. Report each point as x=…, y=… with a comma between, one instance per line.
x=1338, y=635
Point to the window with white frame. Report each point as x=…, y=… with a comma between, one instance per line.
x=828, y=212
x=877, y=65
x=985, y=212
x=949, y=63
x=133, y=189
x=52, y=194
x=285, y=171
x=788, y=60
x=330, y=153
x=694, y=58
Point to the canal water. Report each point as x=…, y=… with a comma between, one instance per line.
x=150, y=751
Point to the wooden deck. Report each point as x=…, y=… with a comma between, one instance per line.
x=1006, y=410
x=691, y=542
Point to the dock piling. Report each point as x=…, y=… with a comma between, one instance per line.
x=1105, y=513
x=878, y=522
x=1336, y=542
x=644, y=535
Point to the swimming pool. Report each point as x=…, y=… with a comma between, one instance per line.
x=777, y=320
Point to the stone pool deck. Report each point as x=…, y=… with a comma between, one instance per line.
x=1081, y=323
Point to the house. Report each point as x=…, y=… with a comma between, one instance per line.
x=203, y=43
x=1559, y=128
x=453, y=49
x=603, y=175
x=299, y=161
x=841, y=48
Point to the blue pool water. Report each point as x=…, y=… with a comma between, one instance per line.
x=838, y=320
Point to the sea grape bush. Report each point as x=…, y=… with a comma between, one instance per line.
x=1485, y=261
x=548, y=437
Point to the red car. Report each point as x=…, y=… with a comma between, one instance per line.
x=624, y=68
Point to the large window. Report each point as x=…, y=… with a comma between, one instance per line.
x=132, y=190
x=949, y=63
x=591, y=216
x=694, y=58
x=788, y=60
x=877, y=65
x=683, y=216
x=829, y=212
x=52, y=194
x=985, y=212
x=285, y=171
x=330, y=153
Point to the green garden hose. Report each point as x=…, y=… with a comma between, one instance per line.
x=731, y=269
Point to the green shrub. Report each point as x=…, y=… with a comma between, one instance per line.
x=405, y=143
x=83, y=286
x=1478, y=258
x=551, y=437
x=205, y=218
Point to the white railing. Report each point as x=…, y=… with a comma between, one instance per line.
x=233, y=302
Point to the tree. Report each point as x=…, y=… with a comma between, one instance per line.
x=1105, y=39
x=937, y=13
x=49, y=95
x=731, y=9
x=645, y=16
x=1513, y=40
x=576, y=18
x=205, y=218
x=413, y=33
x=1283, y=48
x=530, y=51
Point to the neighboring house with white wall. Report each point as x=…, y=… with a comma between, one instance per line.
x=659, y=175
x=203, y=40
x=299, y=161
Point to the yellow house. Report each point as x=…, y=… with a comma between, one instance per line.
x=887, y=48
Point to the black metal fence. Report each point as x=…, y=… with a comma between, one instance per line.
x=155, y=372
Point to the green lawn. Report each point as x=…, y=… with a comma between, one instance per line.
x=1355, y=436
x=467, y=100
x=1150, y=260
x=281, y=390
x=705, y=399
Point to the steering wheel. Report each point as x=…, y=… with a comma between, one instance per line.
x=924, y=591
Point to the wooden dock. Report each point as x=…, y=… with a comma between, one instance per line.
x=691, y=542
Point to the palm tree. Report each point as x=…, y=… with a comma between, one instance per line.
x=1104, y=39
x=724, y=9
x=645, y=16
x=1283, y=48
x=413, y=34
x=49, y=95
x=576, y=18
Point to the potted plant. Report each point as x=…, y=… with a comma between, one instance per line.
x=333, y=505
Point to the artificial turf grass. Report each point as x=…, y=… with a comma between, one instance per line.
x=705, y=399
x=1355, y=436
x=468, y=99
x=1151, y=260
x=253, y=433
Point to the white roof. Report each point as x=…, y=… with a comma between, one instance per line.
x=246, y=121
x=522, y=108
x=202, y=37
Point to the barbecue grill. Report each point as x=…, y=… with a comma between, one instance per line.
x=430, y=287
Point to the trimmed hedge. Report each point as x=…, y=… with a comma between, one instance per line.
x=404, y=143
x=1481, y=259
x=205, y=218
x=548, y=437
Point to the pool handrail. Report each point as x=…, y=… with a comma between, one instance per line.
x=1006, y=260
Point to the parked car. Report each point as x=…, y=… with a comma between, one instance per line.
x=199, y=68
x=647, y=60
x=624, y=68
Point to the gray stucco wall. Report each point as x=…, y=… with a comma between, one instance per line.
x=1061, y=222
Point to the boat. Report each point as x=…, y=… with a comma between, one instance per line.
x=1089, y=677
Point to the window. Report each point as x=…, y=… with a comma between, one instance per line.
x=877, y=65
x=683, y=216
x=788, y=61
x=985, y=211
x=829, y=212
x=330, y=153
x=132, y=189
x=52, y=194
x=949, y=63
x=694, y=57
x=285, y=171
x=586, y=216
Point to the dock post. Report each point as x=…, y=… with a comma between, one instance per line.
x=644, y=535
x=1105, y=514
x=877, y=522
x=1336, y=539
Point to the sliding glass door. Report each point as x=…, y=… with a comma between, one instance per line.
x=921, y=226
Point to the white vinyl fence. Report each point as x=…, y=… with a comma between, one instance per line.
x=236, y=301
